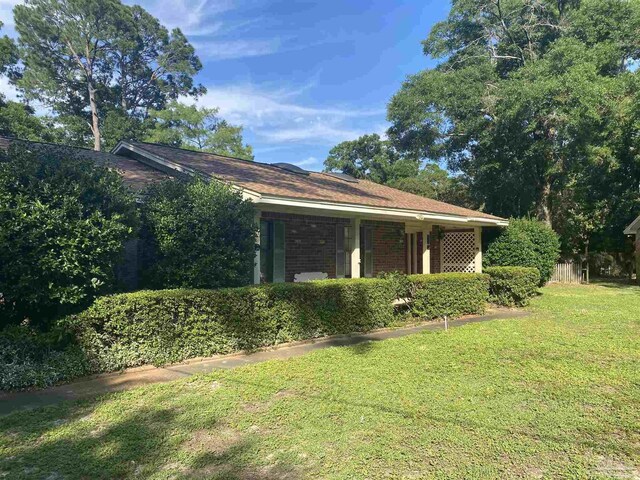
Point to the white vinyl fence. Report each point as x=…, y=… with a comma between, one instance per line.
x=569, y=272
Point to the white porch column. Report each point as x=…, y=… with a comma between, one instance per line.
x=477, y=231
x=355, y=252
x=426, y=251
x=256, y=261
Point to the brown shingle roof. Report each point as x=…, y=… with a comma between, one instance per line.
x=134, y=174
x=267, y=179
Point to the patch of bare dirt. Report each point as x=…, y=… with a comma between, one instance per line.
x=615, y=468
x=216, y=441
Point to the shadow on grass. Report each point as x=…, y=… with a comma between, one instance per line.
x=138, y=443
x=618, y=283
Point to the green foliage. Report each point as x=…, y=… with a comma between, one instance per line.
x=399, y=282
x=449, y=294
x=198, y=235
x=512, y=286
x=187, y=126
x=366, y=157
x=84, y=58
x=29, y=358
x=8, y=54
x=19, y=120
x=372, y=158
x=536, y=103
x=63, y=222
x=166, y=326
x=171, y=325
x=525, y=243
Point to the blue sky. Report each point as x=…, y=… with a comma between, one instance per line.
x=301, y=76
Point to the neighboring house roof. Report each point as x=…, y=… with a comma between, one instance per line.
x=135, y=175
x=634, y=228
x=270, y=180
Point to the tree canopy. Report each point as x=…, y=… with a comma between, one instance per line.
x=86, y=59
x=535, y=102
x=190, y=127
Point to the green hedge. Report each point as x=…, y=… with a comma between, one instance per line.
x=449, y=294
x=166, y=326
x=29, y=358
x=512, y=286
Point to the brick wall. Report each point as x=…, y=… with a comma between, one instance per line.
x=310, y=243
x=388, y=246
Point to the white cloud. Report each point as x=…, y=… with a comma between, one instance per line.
x=278, y=116
x=192, y=17
x=9, y=91
x=226, y=49
x=307, y=162
x=314, y=133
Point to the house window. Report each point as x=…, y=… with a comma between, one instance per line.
x=272, y=254
x=366, y=263
x=344, y=247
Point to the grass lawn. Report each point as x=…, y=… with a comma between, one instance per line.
x=555, y=395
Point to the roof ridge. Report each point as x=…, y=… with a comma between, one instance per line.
x=192, y=151
x=201, y=152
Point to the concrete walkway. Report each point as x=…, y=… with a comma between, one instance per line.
x=135, y=377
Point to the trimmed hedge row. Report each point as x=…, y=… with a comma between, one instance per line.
x=168, y=326
x=449, y=294
x=512, y=286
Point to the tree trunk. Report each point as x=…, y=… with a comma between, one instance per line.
x=544, y=208
x=95, y=121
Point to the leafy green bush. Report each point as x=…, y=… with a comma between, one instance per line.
x=512, y=286
x=449, y=294
x=29, y=358
x=166, y=326
x=197, y=235
x=399, y=282
x=63, y=224
x=525, y=243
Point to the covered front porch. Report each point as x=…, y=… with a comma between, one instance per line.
x=301, y=244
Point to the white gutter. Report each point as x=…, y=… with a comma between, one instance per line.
x=381, y=211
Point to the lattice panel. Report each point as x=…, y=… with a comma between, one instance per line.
x=458, y=252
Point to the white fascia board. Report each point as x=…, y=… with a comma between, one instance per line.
x=360, y=210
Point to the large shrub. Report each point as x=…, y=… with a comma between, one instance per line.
x=525, y=243
x=449, y=294
x=63, y=223
x=512, y=286
x=165, y=326
x=197, y=235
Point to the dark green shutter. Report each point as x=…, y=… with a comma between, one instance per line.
x=278, y=252
x=340, y=257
